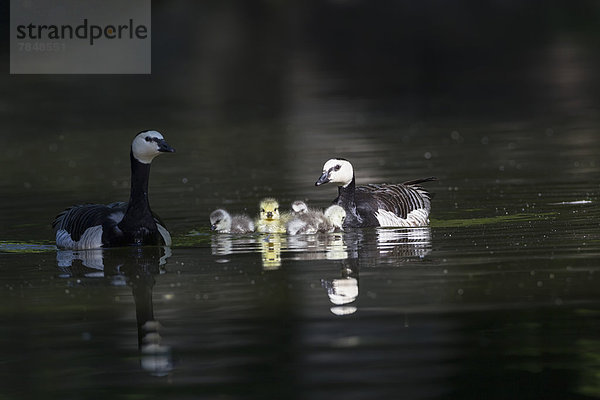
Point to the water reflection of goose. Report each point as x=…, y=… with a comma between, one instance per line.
x=135, y=267
x=364, y=248
x=343, y=291
x=404, y=242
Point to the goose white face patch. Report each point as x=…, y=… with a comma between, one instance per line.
x=418, y=217
x=144, y=148
x=339, y=171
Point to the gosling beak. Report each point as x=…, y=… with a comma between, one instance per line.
x=164, y=147
x=323, y=179
x=269, y=215
x=213, y=227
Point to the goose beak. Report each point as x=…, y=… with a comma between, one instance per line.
x=164, y=147
x=213, y=227
x=269, y=215
x=323, y=179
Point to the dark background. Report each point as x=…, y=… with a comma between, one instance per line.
x=227, y=60
x=256, y=95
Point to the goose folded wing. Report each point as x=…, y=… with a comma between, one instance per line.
x=77, y=219
x=399, y=199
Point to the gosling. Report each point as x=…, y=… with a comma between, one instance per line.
x=299, y=207
x=222, y=222
x=313, y=221
x=270, y=220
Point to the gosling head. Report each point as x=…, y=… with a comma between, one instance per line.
x=336, y=216
x=336, y=170
x=269, y=210
x=220, y=221
x=299, y=207
x=149, y=144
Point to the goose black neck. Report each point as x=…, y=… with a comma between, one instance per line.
x=346, y=194
x=138, y=199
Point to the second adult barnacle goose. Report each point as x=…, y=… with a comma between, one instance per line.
x=93, y=226
x=399, y=205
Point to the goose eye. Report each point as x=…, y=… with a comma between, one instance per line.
x=337, y=167
x=148, y=139
x=275, y=210
x=262, y=210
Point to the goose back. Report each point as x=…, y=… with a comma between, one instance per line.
x=404, y=204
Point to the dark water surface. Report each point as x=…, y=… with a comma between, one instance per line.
x=498, y=298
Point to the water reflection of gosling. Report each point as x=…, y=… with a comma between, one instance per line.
x=270, y=220
x=222, y=222
x=308, y=221
x=271, y=251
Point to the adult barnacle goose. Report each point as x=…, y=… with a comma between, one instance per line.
x=222, y=222
x=399, y=205
x=92, y=226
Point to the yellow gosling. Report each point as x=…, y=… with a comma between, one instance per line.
x=270, y=220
